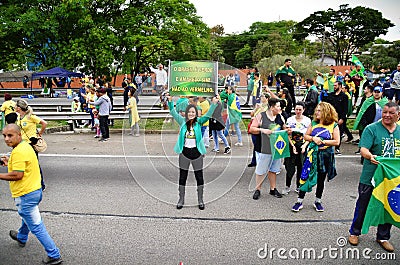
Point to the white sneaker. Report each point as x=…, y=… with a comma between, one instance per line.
x=239, y=144
x=286, y=190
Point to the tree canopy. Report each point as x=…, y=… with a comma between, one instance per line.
x=97, y=35
x=346, y=29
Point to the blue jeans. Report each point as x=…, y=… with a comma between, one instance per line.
x=219, y=134
x=237, y=129
x=28, y=209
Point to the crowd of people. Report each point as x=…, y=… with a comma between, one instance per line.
x=315, y=134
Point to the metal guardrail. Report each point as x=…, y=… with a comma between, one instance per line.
x=144, y=114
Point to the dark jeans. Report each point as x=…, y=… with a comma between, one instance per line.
x=364, y=195
x=253, y=140
x=293, y=163
x=105, y=133
x=291, y=92
x=346, y=130
x=249, y=92
x=187, y=157
x=91, y=117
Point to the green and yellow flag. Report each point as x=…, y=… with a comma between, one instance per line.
x=356, y=61
x=280, y=144
x=384, y=205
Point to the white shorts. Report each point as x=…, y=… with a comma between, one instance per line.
x=265, y=163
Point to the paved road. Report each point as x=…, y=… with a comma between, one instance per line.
x=114, y=203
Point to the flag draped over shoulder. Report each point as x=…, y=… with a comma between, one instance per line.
x=309, y=173
x=384, y=205
x=234, y=112
x=356, y=61
x=368, y=102
x=279, y=144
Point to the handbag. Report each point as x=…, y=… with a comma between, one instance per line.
x=40, y=145
x=249, y=125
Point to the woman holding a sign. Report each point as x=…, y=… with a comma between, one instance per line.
x=323, y=134
x=190, y=147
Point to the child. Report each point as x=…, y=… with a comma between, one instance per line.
x=134, y=115
x=96, y=123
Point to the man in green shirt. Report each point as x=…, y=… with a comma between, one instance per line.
x=380, y=138
x=329, y=80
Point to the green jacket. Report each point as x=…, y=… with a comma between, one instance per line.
x=234, y=112
x=197, y=128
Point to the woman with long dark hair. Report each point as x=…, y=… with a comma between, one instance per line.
x=323, y=135
x=190, y=147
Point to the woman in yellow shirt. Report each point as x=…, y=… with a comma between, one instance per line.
x=8, y=108
x=28, y=122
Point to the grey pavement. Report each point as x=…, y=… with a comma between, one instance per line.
x=114, y=203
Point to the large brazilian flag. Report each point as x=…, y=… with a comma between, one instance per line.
x=280, y=144
x=193, y=78
x=384, y=205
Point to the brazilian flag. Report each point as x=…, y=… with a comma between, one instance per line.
x=279, y=144
x=384, y=205
x=356, y=61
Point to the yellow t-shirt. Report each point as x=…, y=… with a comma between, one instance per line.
x=8, y=107
x=205, y=105
x=91, y=97
x=24, y=159
x=28, y=126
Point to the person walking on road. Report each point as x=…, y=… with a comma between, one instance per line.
x=190, y=147
x=24, y=177
x=378, y=139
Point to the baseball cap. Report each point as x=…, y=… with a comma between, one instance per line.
x=378, y=88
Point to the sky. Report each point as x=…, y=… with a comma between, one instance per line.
x=237, y=15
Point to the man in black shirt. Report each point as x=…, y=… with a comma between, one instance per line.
x=339, y=101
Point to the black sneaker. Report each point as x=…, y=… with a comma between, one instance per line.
x=256, y=195
x=356, y=142
x=227, y=150
x=275, y=193
x=349, y=140
x=251, y=165
x=337, y=152
x=52, y=261
x=357, y=152
x=13, y=235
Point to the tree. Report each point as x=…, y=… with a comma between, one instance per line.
x=97, y=35
x=346, y=29
x=380, y=55
x=243, y=57
x=272, y=37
